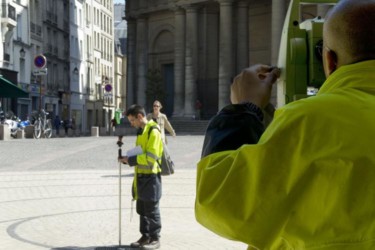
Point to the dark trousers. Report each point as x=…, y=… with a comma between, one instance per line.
x=149, y=218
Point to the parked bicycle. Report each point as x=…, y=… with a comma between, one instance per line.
x=42, y=125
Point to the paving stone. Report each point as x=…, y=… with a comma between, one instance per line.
x=63, y=194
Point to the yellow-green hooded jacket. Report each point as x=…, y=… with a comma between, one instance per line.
x=309, y=183
x=147, y=179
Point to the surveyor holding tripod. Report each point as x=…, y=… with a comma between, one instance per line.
x=147, y=180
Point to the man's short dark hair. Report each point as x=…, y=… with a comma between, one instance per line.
x=135, y=109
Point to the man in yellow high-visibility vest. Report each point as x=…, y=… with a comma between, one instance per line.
x=308, y=182
x=147, y=179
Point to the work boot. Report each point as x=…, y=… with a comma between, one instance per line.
x=154, y=243
x=141, y=242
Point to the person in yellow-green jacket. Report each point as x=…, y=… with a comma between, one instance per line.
x=308, y=181
x=147, y=179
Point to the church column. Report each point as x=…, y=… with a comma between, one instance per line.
x=179, y=63
x=242, y=36
x=226, y=62
x=141, y=60
x=278, y=16
x=131, y=62
x=191, y=60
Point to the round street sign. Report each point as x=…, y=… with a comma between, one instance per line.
x=40, y=61
x=108, y=87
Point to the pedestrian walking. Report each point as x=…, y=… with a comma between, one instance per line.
x=198, y=109
x=162, y=120
x=57, y=124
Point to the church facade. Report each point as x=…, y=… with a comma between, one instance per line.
x=197, y=47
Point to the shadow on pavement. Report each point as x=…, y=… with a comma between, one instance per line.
x=95, y=248
x=116, y=176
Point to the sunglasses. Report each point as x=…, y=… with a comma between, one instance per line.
x=156, y=106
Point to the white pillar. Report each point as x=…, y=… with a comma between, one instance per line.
x=131, y=62
x=242, y=36
x=226, y=65
x=191, y=60
x=278, y=16
x=141, y=60
x=179, y=63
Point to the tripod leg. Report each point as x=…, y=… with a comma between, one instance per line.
x=119, y=200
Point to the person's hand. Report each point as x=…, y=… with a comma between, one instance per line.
x=254, y=84
x=123, y=159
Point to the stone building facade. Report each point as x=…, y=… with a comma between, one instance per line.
x=83, y=75
x=198, y=46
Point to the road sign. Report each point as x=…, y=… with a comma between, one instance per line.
x=108, y=87
x=40, y=72
x=40, y=61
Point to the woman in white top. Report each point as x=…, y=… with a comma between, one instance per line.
x=161, y=119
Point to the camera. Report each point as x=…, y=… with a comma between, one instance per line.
x=300, y=53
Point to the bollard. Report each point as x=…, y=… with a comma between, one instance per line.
x=95, y=131
x=102, y=131
x=70, y=132
x=29, y=131
x=4, y=132
x=20, y=134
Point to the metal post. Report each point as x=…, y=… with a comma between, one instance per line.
x=119, y=202
x=119, y=143
x=40, y=94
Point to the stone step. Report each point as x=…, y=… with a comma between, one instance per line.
x=187, y=126
x=181, y=126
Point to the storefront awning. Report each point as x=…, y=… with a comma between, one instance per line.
x=9, y=90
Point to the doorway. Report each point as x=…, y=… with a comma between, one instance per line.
x=168, y=76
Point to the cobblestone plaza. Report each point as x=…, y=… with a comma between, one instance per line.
x=62, y=193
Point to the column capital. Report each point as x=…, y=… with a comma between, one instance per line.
x=178, y=10
x=225, y=2
x=141, y=16
x=130, y=19
x=190, y=8
x=243, y=4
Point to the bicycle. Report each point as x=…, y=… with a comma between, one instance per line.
x=42, y=125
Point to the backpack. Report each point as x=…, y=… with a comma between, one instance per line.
x=167, y=165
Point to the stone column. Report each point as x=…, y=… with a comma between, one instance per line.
x=179, y=63
x=191, y=60
x=226, y=62
x=141, y=60
x=278, y=16
x=131, y=62
x=242, y=36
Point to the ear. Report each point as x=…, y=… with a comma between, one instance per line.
x=329, y=61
